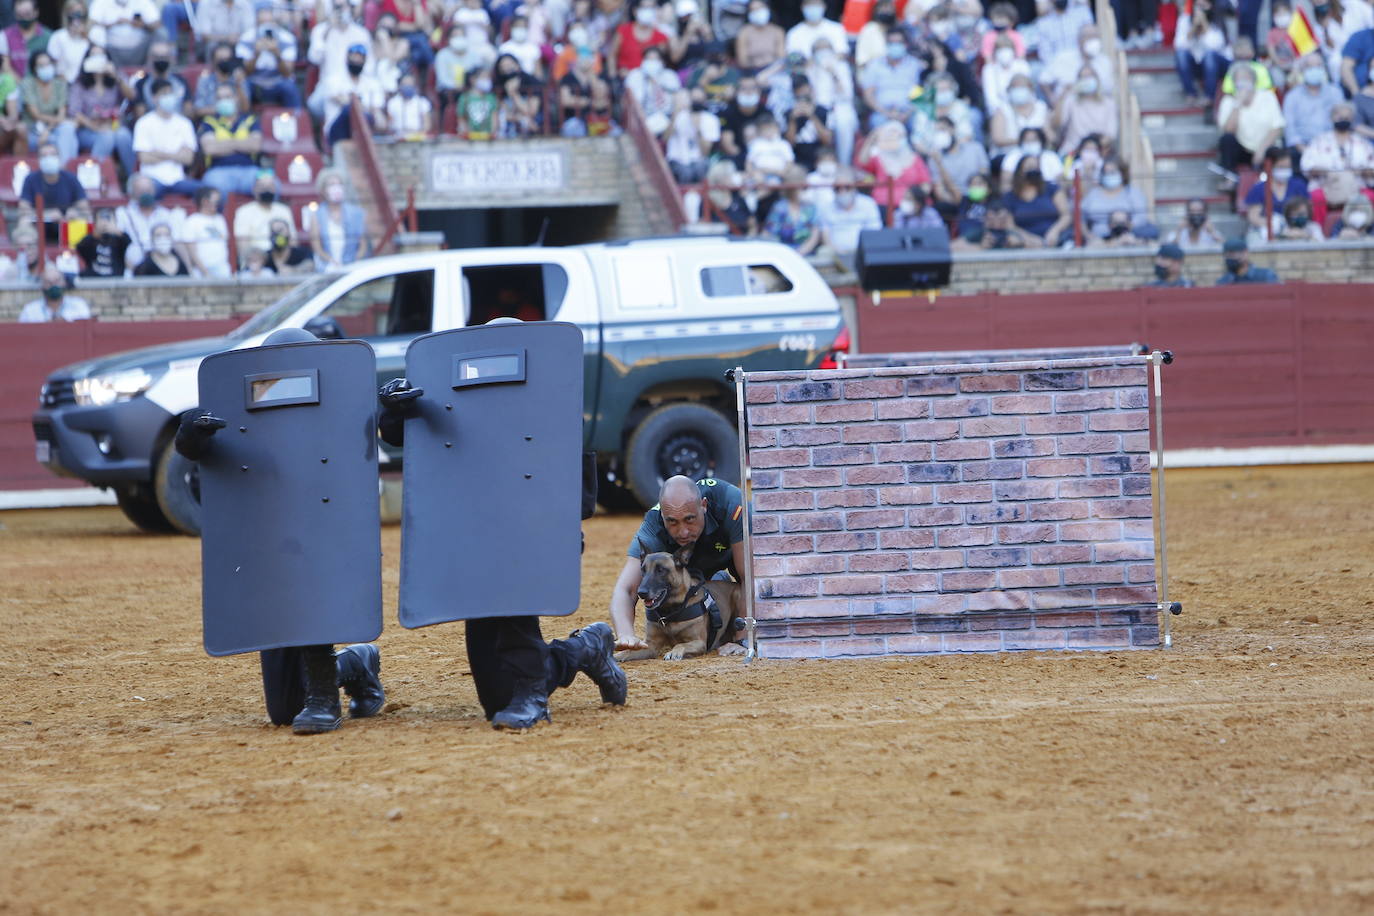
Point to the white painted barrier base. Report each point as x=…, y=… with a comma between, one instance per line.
x=56, y=499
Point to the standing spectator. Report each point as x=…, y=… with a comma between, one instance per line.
x=285, y=256
x=60, y=189
x=357, y=83
x=221, y=22
x=1356, y=223
x=477, y=107
x=808, y=128
x=27, y=36
x=1338, y=163
x=136, y=218
x=1238, y=266
x=253, y=221
x=792, y=220
x=524, y=48
x=330, y=40
x=632, y=38
x=832, y=89
x=165, y=142
x=1058, y=26
x=128, y=28
x=270, y=50
x=1335, y=22
x=409, y=115
x=846, y=216
x=887, y=155
x=653, y=85
x=955, y=162
x=44, y=98
x=1086, y=110
x=413, y=24
x=1000, y=71
x=1196, y=232
x=1200, y=51
x=14, y=133
x=813, y=27
x=205, y=236
x=69, y=44
x=162, y=259
x=1114, y=194
x=1169, y=268
x=224, y=69
x=1022, y=109
x=102, y=251
x=689, y=139
x=1307, y=109
x=1280, y=184
x=55, y=305
x=1250, y=123
x=94, y=102
x=231, y=142
x=1037, y=206
x=1063, y=72
x=887, y=82
x=160, y=58
x=338, y=233
x=759, y=42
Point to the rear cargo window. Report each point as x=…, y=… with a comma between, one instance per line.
x=744, y=280
x=644, y=281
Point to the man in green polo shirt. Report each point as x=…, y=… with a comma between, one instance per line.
x=707, y=515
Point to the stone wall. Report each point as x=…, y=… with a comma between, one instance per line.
x=148, y=299
x=952, y=509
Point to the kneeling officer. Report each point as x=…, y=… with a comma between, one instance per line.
x=291, y=527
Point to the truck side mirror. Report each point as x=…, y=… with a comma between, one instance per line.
x=325, y=328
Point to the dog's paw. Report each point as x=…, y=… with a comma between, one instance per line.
x=675, y=654
x=731, y=648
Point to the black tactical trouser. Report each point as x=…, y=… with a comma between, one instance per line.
x=504, y=650
x=283, y=681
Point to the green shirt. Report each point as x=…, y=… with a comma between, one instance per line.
x=30, y=93
x=723, y=529
x=478, y=109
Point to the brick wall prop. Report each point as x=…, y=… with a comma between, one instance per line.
x=963, y=508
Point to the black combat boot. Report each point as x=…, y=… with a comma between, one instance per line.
x=360, y=670
x=596, y=659
x=529, y=705
x=321, y=712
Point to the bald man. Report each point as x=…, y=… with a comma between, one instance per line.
x=707, y=515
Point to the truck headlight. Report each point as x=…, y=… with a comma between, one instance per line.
x=99, y=390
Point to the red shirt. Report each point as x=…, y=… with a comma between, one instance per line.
x=389, y=6
x=632, y=49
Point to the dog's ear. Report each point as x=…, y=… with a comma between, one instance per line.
x=682, y=555
x=643, y=551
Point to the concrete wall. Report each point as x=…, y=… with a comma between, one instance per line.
x=925, y=510
x=159, y=299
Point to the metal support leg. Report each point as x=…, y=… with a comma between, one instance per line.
x=751, y=645
x=1166, y=610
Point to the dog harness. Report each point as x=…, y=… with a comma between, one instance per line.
x=699, y=601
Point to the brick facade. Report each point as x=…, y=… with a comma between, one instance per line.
x=951, y=509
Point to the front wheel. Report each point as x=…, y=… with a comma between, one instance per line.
x=138, y=502
x=686, y=439
x=178, y=490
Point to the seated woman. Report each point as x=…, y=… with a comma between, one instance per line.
x=1114, y=193
x=1022, y=109
x=1037, y=207
x=1356, y=223
x=793, y=221
x=162, y=259
x=915, y=212
x=1298, y=225
x=887, y=155
x=521, y=97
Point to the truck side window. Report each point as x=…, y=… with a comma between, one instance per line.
x=744, y=280
x=394, y=304
x=530, y=292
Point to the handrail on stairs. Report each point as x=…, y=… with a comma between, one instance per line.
x=1133, y=146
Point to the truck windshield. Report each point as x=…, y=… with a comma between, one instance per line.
x=277, y=312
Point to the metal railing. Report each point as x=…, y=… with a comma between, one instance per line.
x=654, y=162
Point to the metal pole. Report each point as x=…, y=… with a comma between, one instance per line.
x=1162, y=586
x=751, y=651
x=1269, y=201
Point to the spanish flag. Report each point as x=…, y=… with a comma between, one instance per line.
x=1300, y=31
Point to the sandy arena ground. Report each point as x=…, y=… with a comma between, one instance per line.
x=1231, y=774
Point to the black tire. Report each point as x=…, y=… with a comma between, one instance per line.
x=177, y=489
x=686, y=439
x=139, y=505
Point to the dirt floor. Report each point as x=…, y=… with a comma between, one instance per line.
x=1230, y=774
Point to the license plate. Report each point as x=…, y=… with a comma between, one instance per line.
x=43, y=451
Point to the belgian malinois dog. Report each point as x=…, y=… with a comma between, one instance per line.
x=687, y=615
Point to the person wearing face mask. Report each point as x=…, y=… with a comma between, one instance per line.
x=632, y=38
x=1038, y=207
x=1021, y=109
x=60, y=189
x=653, y=86
x=1307, y=108
x=223, y=69
x=1244, y=53
x=161, y=66
x=1279, y=184
x=688, y=140
x=1280, y=51
x=284, y=256
x=1250, y=123
x=1169, y=268
x=1060, y=76
x=845, y=217
x=1196, y=232
x=741, y=113
x=409, y=115
x=69, y=44
x=26, y=37
x=44, y=100
x=328, y=47
x=270, y=50
x=832, y=88
x=1058, y=25
x=808, y=125
x=872, y=38
x=687, y=47
x=204, y=237
x=793, y=220
x=943, y=87
x=954, y=162
x=162, y=260
x=253, y=221
x=1335, y=23
x=914, y=211
x=760, y=42
x=55, y=305
x=813, y=27
x=94, y=102
x=231, y=141
x=414, y=23
x=1000, y=71
x=1085, y=110
x=1033, y=145
x=136, y=218
x=1339, y=164
x=521, y=98
x=713, y=81
x=575, y=99
x=972, y=210
x=128, y=26
x=522, y=47
x=165, y=142
x=477, y=107
x=1200, y=50
x=221, y=22
x=821, y=182
x=338, y=233
x=577, y=43
x=1296, y=223
x=102, y=250
x=1236, y=256
x=1002, y=19
x=1356, y=223
x=887, y=155
x=354, y=83
x=886, y=83
x=1114, y=194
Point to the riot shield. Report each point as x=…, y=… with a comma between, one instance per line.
x=492, y=482
x=291, y=533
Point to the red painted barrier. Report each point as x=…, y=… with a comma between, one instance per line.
x=30, y=352
x=1256, y=365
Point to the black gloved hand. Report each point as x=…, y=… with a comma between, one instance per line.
x=194, y=432
x=398, y=396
